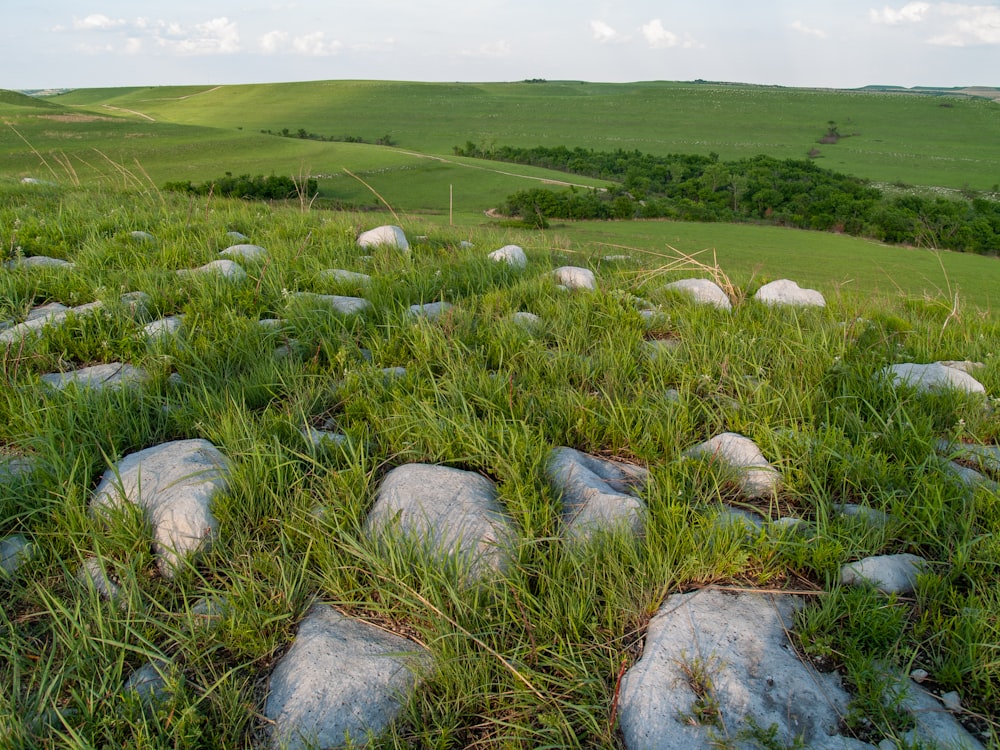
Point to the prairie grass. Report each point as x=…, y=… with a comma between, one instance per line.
x=528, y=658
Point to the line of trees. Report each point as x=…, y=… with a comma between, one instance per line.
x=306, y=135
x=760, y=189
x=272, y=187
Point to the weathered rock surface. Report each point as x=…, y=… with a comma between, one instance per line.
x=935, y=727
x=932, y=377
x=341, y=681
x=512, y=255
x=785, y=292
x=39, y=261
x=702, y=291
x=142, y=236
x=148, y=683
x=865, y=513
x=574, y=277
x=224, y=268
x=345, y=277
x=109, y=376
x=596, y=493
x=237, y=236
x=890, y=574
x=986, y=458
x=330, y=303
x=453, y=513
x=430, y=310
x=174, y=484
x=323, y=438
x=757, y=478
x=252, y=253
x=93, y=575
x=163, y=328
x=388, y=236
x=15, y=551
x=44, y=316
x=713, y=661
x=526, y=320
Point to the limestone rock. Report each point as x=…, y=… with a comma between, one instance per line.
x=430, y=310
x=109, y=376
x=986, y=458
x=330, y=302
x=756, y=476
x=734, y=648
x=932, y=377
x=453, y=513
x=93, y=575
x=225, y=268
x=388, y=236
x=15, y=551
x=785, y=292
x=174, y=484
x=573, y=277
x=890, y=574
x=142, y=237
x=596, y=493
x=44, y=316
x=148, y=682
x=512, y=255
x=39, y=261
x=935, y=727
x=342, y=680
x=526, y=320
x=346, y=277
x=702, y=291
x=252, y=253
x=162, y=329
x=323, y=438
x=869, y=515
x=237, y=236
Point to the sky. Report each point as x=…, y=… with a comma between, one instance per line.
x=843, y=44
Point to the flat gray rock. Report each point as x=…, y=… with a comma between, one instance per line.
x=237, y=236
x=596, y=493
x=323, y=438
x=225, y=268
x=713, y=661
x=252, y=253
x=890, y=574
x=331, y=303
x=342, y=681
x=574, y=277
x=430, y=310
x=44, y=316
x=345, y=277
x=526, y=320
x=512, y=255
x=111, y=376
x=39, y=261
x=385, y=236
x=702, y=291
x=935, y=726
x=162, y=329
x=142, y=236
x=785, y=292
x=453, y=513
x=865, y=513
x=15, y=551
x=986, y=458
x=933, y=376
x=148, y=683
x=174, y=484
x=757, y=478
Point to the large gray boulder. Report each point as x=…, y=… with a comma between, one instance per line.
x=453, y=513
x=890, y=574
x=713, y=662
x=174, y=484
x=786, y=292
x=110, y=376
x=341, y=681
x=702, y=291
x=384, y=236
x=756, y=477
x=596, y=493
x=932, y=377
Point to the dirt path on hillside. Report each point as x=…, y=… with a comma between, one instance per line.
x=130, y=111
x=544, y=180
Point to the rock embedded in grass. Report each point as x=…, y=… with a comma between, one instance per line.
x=14, y=468
x=719, y=659
x=163, y=328
x=512, y=255
x=93, y=575
x=341, y=681
x=44, y=316
x=142, y=237
x=597, y=493
x=574, y=277
x=430, y=310
x=932, y=377
x=251, y=253
x=527, y=320
x=329, y=303
x=452, y=514
x=786, y=292
x=863, y=513
x=110, y=376
x=757, y=478
x=385, y=236
x=15, y=551
x=340, y=275
x=40, y=261
x=890, y=574
x=702, y=291
x=933, y=726
x=224, y=268
x=174, y=483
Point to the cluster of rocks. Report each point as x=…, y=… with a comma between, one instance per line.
x=713, y=660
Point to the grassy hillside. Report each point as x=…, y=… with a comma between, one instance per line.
x=923, y=140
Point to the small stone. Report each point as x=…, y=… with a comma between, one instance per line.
x=13, y=467
x=345, y=277
x=329, y=302
x=392, y=373
x=890, y=574
x=785, y=292
x=512, y=255
x=93, y=575
x=227, y=269
x=237, y=236
x=952, y=701
x=15, y=551
x=39, y=261
x=252, y=253
x=142, y=237
x=526, y=320
x=656, y=348
x=756, y=476
x=148, y=684
x=323, y=438
x=573, y=277
x=388, y=236
x=702, y=291
x=162, y=329
x=919, y=675
x=112, y=376
x=863, y=513
x=431, y=310
x=137, y=304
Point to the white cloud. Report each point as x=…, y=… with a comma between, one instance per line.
x=604, y=34
x=807, y=31
x=316, y=45
x=98, y=21
x=133, y=46
x=909, y=13
x=499, y=48
x=273, y=42
x=220, y=36
x=658, y=36
x=969, y=25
